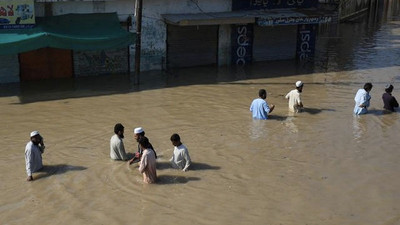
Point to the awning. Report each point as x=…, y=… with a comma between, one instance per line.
x=270, y=17
x=70, y=31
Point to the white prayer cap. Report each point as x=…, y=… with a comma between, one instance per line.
x=34, y=133
x=388, y=86
x=138, y=130
x=299, y=83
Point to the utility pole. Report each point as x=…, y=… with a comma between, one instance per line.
x=138, y=17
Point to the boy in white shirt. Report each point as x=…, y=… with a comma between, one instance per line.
x=180, y=158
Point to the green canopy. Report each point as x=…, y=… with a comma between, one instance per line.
x=72, y=31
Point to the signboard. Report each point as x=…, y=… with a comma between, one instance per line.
x=17, y=14
x=272, y=4
x=293, y=20
x=242, y=44
x=306, y=37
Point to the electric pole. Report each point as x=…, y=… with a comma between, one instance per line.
x=138, y=17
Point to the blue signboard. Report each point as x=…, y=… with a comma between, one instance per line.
x=272, y=4
x=242, y=44
x=293, y=20
x=306, y=37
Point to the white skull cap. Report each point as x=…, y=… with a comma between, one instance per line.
x=34, y=133
x=299, y=83
x=138, y=130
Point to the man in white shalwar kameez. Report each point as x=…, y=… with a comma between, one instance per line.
x=33, y=154
x=180, y=158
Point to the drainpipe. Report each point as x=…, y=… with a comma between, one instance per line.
x=138, y=16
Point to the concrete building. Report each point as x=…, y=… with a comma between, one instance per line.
x=183, y=33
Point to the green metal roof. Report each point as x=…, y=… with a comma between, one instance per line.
x=70, y=31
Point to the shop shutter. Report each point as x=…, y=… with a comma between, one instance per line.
x=46, y=63
x=274, y=43
x=191, y=46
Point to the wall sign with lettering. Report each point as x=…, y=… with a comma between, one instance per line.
x=272, y=4
x=242, y=44
x=306, y=37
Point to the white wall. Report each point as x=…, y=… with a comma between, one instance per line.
x=154, y=29
x=124, y=8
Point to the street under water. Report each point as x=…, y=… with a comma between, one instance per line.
x=322, y=166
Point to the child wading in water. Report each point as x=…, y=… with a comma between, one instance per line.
x=180, y=158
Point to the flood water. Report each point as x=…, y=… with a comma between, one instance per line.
x=322, y=166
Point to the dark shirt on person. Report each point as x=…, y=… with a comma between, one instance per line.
x=389, y=102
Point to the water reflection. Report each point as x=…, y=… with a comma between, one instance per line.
x=258, y=129
x=388, y=120
x=290, y=123
x=363, y=45
x=359, y=127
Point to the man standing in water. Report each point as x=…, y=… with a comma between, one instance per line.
x=180, y=158
x=389, y=101
x=362, y=99
x=259, y=107
x=138, y=133
x=294, y=97
x=117, y=149
x=33, y=154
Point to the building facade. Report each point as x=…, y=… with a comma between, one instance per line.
x=184, y=33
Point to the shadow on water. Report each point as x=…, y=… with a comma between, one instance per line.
x=167, y=179
x=56, y=89
x=50, y=170
x=314, y=111
x=277, y=117
x=193, y=166
x=379, y=112
x=163, y=165
x=64, y=88
x=202, y=166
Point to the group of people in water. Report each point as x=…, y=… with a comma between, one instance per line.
x=146, y=155
x=260, y=107
x=363, y=98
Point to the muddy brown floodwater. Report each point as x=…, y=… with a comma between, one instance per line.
x=322, y=166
